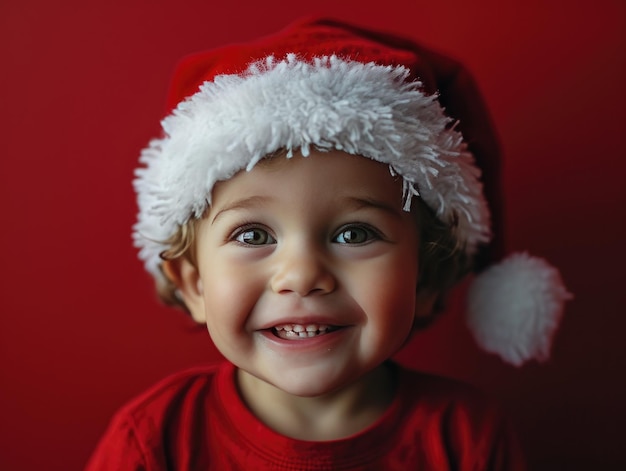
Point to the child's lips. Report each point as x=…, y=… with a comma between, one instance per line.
x=313, y=335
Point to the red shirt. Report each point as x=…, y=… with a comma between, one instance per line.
x=195, y=420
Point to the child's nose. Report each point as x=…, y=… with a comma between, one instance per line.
x=302, y=270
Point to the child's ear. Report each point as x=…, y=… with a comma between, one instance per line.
x=186, y=278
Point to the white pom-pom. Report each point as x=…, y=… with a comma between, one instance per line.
x=515, y=307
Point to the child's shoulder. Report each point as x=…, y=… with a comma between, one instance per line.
x=178, y=390
x=165, y=404
x=455, y=406
x=150, y=427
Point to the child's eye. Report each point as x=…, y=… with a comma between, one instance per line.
x=355, y=235
x=254, y=236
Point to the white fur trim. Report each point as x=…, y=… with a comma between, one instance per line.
x=329, y=103
x=514, y=308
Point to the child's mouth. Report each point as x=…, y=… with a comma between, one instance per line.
x=301, y=331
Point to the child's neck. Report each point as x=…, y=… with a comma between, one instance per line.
x=332, y=416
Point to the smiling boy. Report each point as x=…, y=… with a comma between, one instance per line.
x=317, y=244
x=311, y=204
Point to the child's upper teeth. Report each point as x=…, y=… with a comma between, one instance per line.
x=301, y=331
x=302, y=328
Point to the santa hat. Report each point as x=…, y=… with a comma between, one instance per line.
x=328, y=85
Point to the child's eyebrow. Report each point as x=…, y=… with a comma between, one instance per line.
x=353, y=203
x=357, y=203
x=244, y=203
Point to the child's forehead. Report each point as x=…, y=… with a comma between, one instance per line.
x=325, y=173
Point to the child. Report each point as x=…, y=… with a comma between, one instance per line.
x=312, y=203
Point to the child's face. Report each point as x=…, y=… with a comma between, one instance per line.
x=318, y=243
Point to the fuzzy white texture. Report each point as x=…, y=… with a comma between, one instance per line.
x=330, y=103
x=515, y=307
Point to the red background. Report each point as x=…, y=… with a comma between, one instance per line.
x=81, y=91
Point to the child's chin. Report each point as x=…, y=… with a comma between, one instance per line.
x=308, y=385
